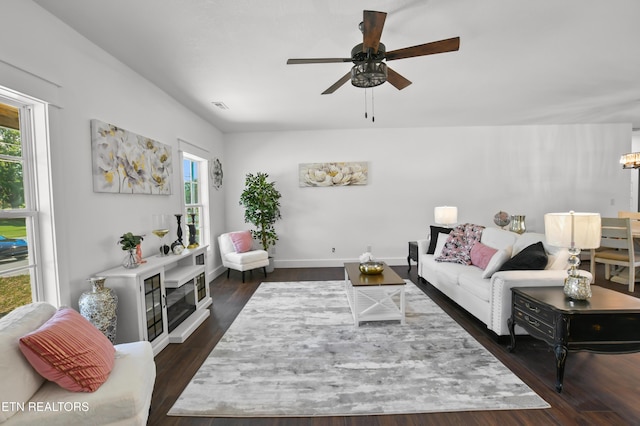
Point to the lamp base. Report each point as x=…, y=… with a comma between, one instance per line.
x=577, y=287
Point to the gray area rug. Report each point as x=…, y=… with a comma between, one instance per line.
x=294, y=351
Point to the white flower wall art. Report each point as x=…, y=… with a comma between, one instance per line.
x=333, y=174
x=127, y=163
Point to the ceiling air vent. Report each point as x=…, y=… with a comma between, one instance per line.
x=220, y=105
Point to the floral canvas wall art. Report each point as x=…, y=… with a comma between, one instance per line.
x=127, y=163
x=333, y=174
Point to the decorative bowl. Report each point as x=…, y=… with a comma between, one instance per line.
x=371, y=268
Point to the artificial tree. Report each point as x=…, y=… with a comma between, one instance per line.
x=261, y=201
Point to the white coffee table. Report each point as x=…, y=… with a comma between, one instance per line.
x=377, y=297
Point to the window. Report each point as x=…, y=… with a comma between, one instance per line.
x=26, y=209
x=19, y=278
x=195, y=197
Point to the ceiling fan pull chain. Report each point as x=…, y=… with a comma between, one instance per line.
x=373, y=109
x=365, y=103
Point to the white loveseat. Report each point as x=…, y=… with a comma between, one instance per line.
x=26, y=398
x=489, y=299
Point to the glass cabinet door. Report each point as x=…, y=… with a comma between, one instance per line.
x=201, y=287
x=153, y=307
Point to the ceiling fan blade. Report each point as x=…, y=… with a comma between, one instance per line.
x=396, y=80
x=337, y=84
x=448, y=45
x=317, y=60
x=372, y=24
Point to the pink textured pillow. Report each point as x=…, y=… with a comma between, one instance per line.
x=69, y=350
x=481, y=255
x=242, y=241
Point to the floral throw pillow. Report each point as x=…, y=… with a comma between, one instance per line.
x=457, y=249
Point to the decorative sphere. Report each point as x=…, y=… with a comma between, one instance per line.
x=502, y=218
x=178, y=249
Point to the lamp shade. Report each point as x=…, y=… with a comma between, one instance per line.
x=445, y=215
x=581, y=230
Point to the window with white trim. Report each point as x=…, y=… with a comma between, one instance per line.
x=196, y=206
x=20, y=236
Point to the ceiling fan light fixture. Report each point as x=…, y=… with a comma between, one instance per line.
x=368, y=74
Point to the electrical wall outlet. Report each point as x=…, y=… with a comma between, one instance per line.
x=369, y=249
x=333, y=249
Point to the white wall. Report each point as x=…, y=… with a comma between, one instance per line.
x=522, y=170
x=634, y=174
x=46, y=59
x=529, y=170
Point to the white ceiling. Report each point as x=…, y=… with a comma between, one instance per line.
x=533, y=62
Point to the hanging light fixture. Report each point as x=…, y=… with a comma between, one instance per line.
x=632, y=161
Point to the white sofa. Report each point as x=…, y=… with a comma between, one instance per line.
x=26, y=398
x=489, y=299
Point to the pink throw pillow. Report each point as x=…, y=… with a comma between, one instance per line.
x=242, y=241
x=69, y=350
x=481, y=255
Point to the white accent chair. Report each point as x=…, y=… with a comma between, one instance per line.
x=242, y=262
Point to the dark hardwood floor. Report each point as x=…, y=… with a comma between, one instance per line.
x=598, y=389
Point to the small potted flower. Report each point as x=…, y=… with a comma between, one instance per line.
x=129, y=242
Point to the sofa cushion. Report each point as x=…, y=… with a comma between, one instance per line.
x=498, y=238
x=248, y=257
x=496, y=262
x=226, y=245
x=525, y=240
x=481, y=255
x=441, y=242
x=242, y=241
x=437, y=233
x=458, y=246
x=19, y=380
x=558, y=257
x=123, y=399
x=471, y=280
x=70, y=351
x=445, y=272
x=533, y=257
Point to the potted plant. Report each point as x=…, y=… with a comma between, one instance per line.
x=261, y=201
x=129, y=242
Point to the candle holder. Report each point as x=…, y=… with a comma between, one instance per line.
x=193, y=243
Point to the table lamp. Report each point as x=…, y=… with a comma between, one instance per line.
x=445, y=215
x=574, y=231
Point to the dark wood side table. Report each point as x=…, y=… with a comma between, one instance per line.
x=609, y=322
x=413, y=253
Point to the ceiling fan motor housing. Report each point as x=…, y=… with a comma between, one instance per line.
x=369, y=74
x=369, y=70
x=357, y=55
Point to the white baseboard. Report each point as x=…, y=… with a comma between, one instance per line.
x=330, y=263
x=313, y=263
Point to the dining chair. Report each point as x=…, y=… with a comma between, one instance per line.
x=635, y=223
x=616, y=249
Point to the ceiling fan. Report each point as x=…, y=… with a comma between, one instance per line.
x=369, y=70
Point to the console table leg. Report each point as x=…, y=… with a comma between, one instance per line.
x=512, y=324
x=561, y=352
